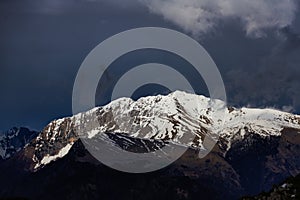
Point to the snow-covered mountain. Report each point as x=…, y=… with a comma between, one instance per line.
x=14, y=140
x=185, y=119
x=255, y=148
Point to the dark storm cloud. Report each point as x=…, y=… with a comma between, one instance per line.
x=43, y=42
x=274, y=81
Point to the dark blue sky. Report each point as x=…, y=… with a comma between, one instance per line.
x=42, y=44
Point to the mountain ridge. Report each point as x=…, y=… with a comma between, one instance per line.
x=167, y=118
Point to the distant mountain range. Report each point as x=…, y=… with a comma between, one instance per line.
x=256, y=149
x=15, y=140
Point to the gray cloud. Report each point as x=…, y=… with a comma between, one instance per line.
x=274, y=81
x=201, y=16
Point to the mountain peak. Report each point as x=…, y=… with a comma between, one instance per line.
x=180, y=117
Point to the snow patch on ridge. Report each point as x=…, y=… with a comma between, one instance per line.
x=47, y=159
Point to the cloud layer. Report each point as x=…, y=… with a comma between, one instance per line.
x=201, y=16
